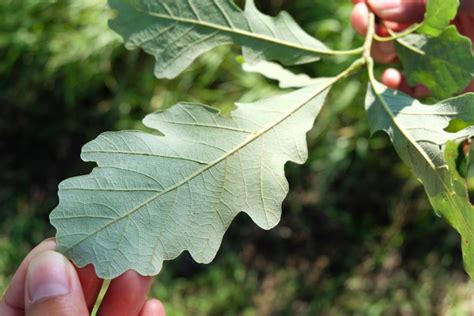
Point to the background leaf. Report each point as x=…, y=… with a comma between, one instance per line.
x=176, y=32
x=418, y=135
x=444, y=64
x=153, y=197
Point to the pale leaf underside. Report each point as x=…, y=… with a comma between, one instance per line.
x=418, y=135
x=176, y=32
x=153, y=197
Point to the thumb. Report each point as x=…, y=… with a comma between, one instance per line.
x=52, y=287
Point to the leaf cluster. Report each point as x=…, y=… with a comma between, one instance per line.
x=155, y=195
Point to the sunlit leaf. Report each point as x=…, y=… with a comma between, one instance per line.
x=418, y=135
x=444, y=64
x=438, y=15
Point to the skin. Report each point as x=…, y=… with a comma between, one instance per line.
x=126, y=295
x=398, y=15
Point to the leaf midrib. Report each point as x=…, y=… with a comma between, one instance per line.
x=394, y=120
x=249, y=140
x=236, y=31
x=450, y=193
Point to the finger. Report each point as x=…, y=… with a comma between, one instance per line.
x=470, y=87
x=52, y=287
x=420, y=91
x=396, y=26
x=360, y=18
x=467, y=7
x=13, y=300
x=153, y=307
x=384, y=52
x=91, y=284
x=465, y=25
x=126, y=295
x=358, y=1
x=393, y=79
x=403, y=11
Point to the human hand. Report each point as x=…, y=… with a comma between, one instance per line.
x=46, y=283
x=398, y=15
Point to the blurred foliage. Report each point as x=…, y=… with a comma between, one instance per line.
x=357, y=236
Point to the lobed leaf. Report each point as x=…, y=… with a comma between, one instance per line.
x=458, y=199
x=176, y=32
x=439, y=13
x=153, y=197
x=444, y=64
x=284, y=29
x=418, y=134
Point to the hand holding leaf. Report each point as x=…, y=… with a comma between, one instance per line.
x=399, y=16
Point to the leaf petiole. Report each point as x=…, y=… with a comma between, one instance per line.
x=395, y=36
x=407, y=45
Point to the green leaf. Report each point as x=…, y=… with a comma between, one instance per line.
x=153, y=197
x=285, y=78
x=438, y=15
x=176, y=32
x=418, y=135
x=458, y=198
x=284, y=29
x=444, y=64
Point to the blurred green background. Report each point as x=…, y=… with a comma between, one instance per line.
x=357, y=237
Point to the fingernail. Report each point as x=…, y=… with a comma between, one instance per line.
x=51, y=240
x=47, y=276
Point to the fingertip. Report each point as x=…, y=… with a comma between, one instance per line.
x=52, y=287
x=15, y=292
x=360, y=18
x=153, y=307
x=47, y=276
x=392, y=78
